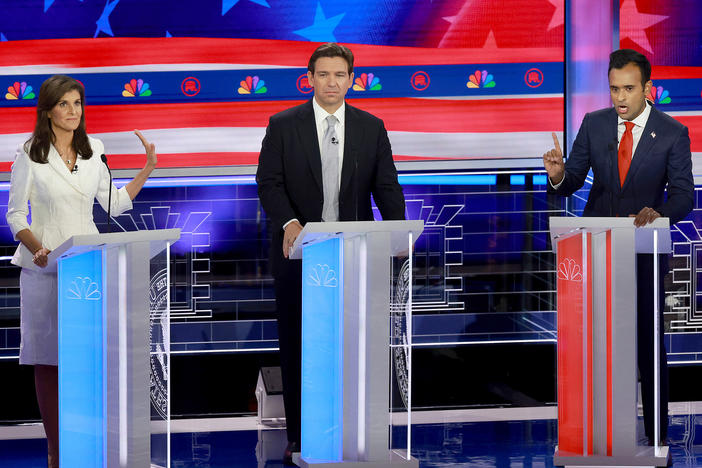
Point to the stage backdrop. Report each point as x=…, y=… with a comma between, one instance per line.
x=452, y=79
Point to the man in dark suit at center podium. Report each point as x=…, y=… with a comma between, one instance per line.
x=635, y=152
x=319, y=161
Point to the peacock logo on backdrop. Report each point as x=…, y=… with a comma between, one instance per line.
x=659, y=95
x=367, y=82
x=136, y=88
x=481, y=79
x=19, y=90
x=252, y=85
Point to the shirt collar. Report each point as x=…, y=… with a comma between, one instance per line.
x=641, y=120
x=320, y=114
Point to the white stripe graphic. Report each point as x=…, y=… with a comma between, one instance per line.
x=248, y=139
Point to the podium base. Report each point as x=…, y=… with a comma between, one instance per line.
x=642, y=457
x=394, y=461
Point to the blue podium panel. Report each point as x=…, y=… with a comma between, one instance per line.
x=81, y=361
x=322, y=351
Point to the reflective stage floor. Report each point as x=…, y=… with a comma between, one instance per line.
x=482, y=438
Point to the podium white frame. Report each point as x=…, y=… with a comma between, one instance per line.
x=598, y=281
x=104, y=403
x=358, y=260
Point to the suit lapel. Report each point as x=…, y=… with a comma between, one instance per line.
x=611, y=138
x=353, y=134
x=59, y=166
x=644, y=147
x=307, y=132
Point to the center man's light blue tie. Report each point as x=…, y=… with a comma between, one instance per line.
x=330, y=171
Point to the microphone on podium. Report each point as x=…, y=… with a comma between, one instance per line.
x=109, y=196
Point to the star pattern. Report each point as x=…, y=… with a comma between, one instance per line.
x=322, y=30
x=558, y=17
x=47, y=4
x=103, y=22
x=633, y=24
x=3, y=38
x=490, y=41
x=228, y=4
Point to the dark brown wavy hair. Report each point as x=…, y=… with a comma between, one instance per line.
x=50, y=93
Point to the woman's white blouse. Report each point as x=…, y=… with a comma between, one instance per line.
x=61, y=201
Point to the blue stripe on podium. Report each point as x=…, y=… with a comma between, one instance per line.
x=322, y=351
x=81, y=362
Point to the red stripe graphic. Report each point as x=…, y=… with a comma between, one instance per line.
x=136, y=161
x=570, y=345
x=590, y=354
x=608, y=282
x=694, y=125
x=660, y=72
x=110, y=52
x=399, y=114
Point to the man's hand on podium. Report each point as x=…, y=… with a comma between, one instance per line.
x=292, y=230
x=41, y=257
x=646, y=215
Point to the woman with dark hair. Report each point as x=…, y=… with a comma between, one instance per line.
x=59, y=172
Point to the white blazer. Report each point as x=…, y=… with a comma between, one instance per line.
x=61, y=201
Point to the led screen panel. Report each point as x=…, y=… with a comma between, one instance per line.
x=452, y=79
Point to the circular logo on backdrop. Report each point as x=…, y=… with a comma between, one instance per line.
x=158, y=331
x=420, y=80
x=401, y=312
x=303, y=84
x=190, y=86
x=533, y=78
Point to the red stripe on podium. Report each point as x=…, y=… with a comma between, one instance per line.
x=570, y=345
x=608, y=280
x=590, y=353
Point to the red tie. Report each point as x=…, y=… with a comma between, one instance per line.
x=625, y=147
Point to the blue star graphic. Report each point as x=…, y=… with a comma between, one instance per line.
x=47, y=4
x=322, y=30
x=228, y=4
x=3, y=38
x=168, y=34
x=103, y=22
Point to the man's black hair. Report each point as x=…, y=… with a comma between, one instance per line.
x=622, y=57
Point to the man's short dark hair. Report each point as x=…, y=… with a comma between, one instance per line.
x=331, y=49
x=623, y=57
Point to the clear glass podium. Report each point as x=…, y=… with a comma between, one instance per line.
x=356, y=343
x=114, y=349
x=597, y=363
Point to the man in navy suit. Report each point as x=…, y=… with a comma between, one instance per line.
x=635, y=152
x=293, y=186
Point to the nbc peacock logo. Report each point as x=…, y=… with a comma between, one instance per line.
x=659, y=95
x=19, y=90
x=481, y=79
x=367, y=82
x=136, y=88
x=252, y=85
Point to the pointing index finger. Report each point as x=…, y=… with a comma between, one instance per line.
x=555, y=142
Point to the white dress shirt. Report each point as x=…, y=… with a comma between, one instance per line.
x=320, y=116
x=637, y=131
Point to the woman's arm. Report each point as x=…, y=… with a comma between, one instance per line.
x=34, y=246
x=135, y=185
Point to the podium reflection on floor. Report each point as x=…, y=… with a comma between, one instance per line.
x=500, y=444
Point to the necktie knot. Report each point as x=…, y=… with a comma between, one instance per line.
x=629, y=126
